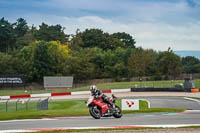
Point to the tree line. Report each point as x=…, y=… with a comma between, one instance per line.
x=89, y=54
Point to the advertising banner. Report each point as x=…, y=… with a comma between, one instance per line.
x=11, y=80
x=130, y=104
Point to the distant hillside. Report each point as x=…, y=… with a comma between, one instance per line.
x=188, y=53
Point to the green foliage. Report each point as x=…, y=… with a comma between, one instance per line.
x=51, y=33
x=9, y=65
x=142, y=62
x=44, y=59
x=27, y=38
x=197, y=68
x=27, y=55
x=76, y=43
x=191, y=64
x=59, y=54
x=97, y=38
x=90, y=54
x=169, y=64
x=11, y=35
x=43, y=64
x=79, y=65
x=197, y=83
x=110, y=63
x=125, y=38
x=20, y=27
x=7, y=36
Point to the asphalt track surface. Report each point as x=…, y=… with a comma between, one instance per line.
x=188, y=117
x=172, y=102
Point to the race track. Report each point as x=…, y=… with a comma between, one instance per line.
x=188, y=117
x=172, y=102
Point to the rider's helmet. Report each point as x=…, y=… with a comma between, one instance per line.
x=93, y=88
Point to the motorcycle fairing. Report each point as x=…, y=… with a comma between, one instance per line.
x=104, y=106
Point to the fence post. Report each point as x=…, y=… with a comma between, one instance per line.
x=16, y=103
x=172, y=84
x=27, y=103
x=153, y=84
x=7, y=105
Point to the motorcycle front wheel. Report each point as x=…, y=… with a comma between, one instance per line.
x=95, y=112
x=118, y=112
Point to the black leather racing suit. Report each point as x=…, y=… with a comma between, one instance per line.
x=98, y=94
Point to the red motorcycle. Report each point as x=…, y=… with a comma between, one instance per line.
x=98, y=108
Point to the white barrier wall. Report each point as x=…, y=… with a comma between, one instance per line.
x=58, y=81
x=130, y=104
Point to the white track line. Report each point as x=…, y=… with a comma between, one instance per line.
x=192, y=99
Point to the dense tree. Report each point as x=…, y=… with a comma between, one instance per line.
x=127, y=39
x=23, y=33
x=79, y=65
x=51, y=33
x=110, y=63
x=12, y=35
x=197, y=68
x=43, y=59
x=42, y=62
x=97, y=38
x=7, y=36
x=59, y=54
x=76, y=43
x=20, y=27
x=90, y=54
x=142, y=62
x=9, y=65
x=190, y=64
x=169, y=64
x=26, y=55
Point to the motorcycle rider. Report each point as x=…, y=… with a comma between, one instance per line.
x=97, y=94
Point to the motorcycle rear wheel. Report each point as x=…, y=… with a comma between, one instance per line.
x=95, y=112
x=118, y=112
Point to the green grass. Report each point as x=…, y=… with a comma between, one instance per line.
x=144, y=109
x=113, y=85
x=56, y=108
x=191, y=127
x=197, y=83
x=65, y=108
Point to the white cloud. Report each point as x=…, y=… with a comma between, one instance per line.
x=155, y=35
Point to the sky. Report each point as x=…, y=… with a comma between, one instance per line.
x=154, y=24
